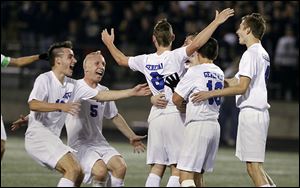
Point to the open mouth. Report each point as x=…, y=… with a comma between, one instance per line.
x=72, y=67
x=100, y=72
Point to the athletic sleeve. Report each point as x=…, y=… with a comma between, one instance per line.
x=185, y=85
x=40, y=89
x=4, y=61
x=83, y=91
x=247, y=65
x=137, y=63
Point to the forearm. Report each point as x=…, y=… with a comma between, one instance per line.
x=119, y=57
x=40, y=106
x=22, y=61
x=203, y=36
x=231, y=82
x=121, y=124
x=229, y=91
x=112, y=95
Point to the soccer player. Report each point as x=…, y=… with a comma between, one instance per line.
x=250, y=87
x=50, y=100
x=84, y=131
x=161, y=69
x=202, y=130
x=20, y=61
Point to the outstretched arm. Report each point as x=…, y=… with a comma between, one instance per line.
x=22, y=61
x=135, y=140
x=206, y=33
x=108, y=40
x=41, y=106
x=112, y=95
x=238, y=89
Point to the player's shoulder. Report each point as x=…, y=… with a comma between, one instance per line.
x=102, y=87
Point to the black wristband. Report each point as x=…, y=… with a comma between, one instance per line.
x=43, y=56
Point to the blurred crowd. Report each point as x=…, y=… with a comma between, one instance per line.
x=30, y=27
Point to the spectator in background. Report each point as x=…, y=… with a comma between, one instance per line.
x=287, y=64
x=228, y=118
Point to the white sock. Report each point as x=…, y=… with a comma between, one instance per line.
x=266, y=185
x=116, y=182
x=64, y=182
x=97, y=183
x=153, y=180
x=188, y=183
x=173, y=181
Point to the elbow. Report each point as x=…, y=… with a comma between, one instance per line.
x=242, y=91
x=32, y=105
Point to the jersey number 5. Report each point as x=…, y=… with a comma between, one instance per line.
x=94, y=111
x=218, y=85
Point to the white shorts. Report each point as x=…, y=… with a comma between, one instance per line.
x=252, y=135
x=45, y=147
x=3, y=133
x=89, y=154
x=200, y=146
x=165, y=136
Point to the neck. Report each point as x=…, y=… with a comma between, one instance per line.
x=252, y=41
x=89, y=82
x=161, y=49
x=59, y=75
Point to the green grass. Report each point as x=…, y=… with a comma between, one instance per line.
x=19, y=170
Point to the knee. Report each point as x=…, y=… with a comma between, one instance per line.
x=100, y=174
x=120, y=171
x=75, y=171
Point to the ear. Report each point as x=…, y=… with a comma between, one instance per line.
x=173, y=37
x=154, y=39
x=248, y=30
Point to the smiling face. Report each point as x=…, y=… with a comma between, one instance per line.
x=242, y=33
x=94, y=67
x=66, y=61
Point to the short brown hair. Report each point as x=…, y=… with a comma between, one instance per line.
x=256, y=23
x=55, y=50
x=210, y=49
x=163, y=33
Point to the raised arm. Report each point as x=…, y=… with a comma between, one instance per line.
x=112, y=95
x=108, y=40
x=206, y=33
x=135, y=140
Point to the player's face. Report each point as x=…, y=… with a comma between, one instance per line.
x=95, y=67
x=242, y=33
x=67, y=62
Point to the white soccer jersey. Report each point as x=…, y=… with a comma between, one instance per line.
x=204, y=77
x=157, y=70
x=255, y=64
x=86, y=127
x=48, y=88
x=4, y=61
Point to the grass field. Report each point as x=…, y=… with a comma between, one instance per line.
x=19, y=170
